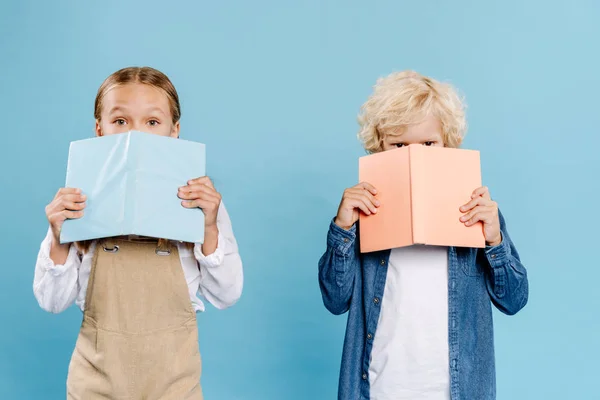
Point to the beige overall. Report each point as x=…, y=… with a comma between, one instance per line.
x=139, y=338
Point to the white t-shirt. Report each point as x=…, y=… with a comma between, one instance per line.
x=409, y=359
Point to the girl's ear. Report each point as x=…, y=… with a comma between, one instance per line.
x=175, y=130
x=98, y=129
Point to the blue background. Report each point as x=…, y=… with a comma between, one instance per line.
x=273, y=89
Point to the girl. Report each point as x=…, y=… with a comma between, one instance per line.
x=420, y=318
x=139, y=337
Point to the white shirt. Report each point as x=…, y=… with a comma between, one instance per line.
x=410, y=357
x=217, y=277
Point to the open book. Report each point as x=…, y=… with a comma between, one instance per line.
x=131, y=182
x=421, y=190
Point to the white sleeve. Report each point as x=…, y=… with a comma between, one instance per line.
x=55, y=286
x=221, y=275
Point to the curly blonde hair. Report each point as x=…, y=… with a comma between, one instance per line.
x=407, y=98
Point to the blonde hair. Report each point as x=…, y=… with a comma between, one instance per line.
x=146, y=76
x=407, y=98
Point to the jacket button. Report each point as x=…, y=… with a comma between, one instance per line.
x=346, y=240
x=493, y=256
x=369, y=336
x=376, y=300
x=382, y=262
x=364, y=377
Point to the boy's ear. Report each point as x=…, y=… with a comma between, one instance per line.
x=98, y=129
x=175, y=130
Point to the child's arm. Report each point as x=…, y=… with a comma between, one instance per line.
x=338, y=267
x=56, y=286
x=341, y=261
x=507, y=281
x=221, y=273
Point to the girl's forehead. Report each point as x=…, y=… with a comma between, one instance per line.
x=135, y=95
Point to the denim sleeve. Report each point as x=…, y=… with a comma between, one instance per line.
x=338, y=268
x=507, y=283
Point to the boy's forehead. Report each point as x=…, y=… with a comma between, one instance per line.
x=426, y=129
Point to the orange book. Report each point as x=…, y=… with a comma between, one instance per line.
x=421, y=190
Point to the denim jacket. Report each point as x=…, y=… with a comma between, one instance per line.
x=354, y=282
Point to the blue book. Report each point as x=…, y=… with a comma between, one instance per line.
x=131, y=182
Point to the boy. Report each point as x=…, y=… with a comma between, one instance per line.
x=420, y=317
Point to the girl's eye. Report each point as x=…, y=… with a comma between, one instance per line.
x=399, y=145
x=119, y=121
x=429, y=143
x=153, y=122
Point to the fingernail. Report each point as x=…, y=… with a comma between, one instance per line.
x=375, y=211
x=377, y=203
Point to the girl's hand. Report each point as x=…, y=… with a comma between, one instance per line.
x=355, y=199
x=201, y=193
x=67, y=204
x=483, y=208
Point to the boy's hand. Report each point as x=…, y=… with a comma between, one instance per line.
x=68, y=203
x=483, y=208
x=201, y=193
x=355, y=199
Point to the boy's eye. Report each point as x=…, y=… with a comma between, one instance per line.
x=153, y=122
x=428, y=143
x=399, y=144
x=119, y=121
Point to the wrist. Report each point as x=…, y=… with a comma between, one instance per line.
x=211, y=228
x=495, y=242
x=342, y=225
x=55, y=243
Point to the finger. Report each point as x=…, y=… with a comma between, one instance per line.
x=71, y=206
x=55, y=207
x=367, y=186
x=361, y=205
x=482, y=215
x=63, y=191
x=72, y=214
x=363, y=199
x=203, y=180
x=363, y=192
x=73, y=198
x=471, y=204
x=206, y=199
x=472, y=212
x=198, y=186
x=481, y=192
x=200, y=194
x=199, y=203
x=478, y=217
x=55, y=217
